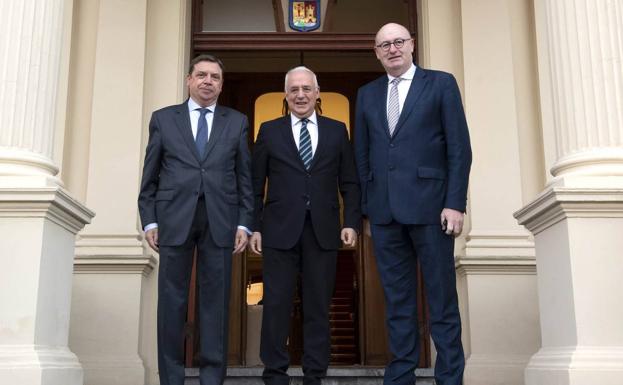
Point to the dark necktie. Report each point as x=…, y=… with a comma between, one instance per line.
x=202, y=131
x=305, y=145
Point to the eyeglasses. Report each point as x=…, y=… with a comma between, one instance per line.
x=398, y=43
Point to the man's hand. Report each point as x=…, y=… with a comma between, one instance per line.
x=151, y=236
x=256, y=243
x=242, y=238
x=349, y=237
x=452, y=221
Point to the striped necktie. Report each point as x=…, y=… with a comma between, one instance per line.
x=393, y=106
x=305, y=145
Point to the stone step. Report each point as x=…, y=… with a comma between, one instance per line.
x=356, y=375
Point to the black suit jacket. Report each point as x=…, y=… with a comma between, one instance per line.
x=173, y=175
x=290, y=187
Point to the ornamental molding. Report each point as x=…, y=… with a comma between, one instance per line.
x=51, y=203
x=559, y=203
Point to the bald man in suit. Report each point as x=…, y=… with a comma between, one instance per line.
x=413, y=157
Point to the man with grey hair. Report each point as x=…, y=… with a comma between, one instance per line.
x=304, y=159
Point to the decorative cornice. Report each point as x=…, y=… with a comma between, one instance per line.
x=501, y=265
x=578, y=358
x=240, y=41
x=487, y=243
x=558, y=203
x=112, y=254
x=115, y=265
x=52, y=203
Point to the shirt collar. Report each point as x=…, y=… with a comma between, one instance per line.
x=406, y=76
x=192, y=105
x=312, y=118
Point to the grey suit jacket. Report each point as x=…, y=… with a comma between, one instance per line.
x=174, y=175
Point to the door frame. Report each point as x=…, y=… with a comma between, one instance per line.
x=373, y=345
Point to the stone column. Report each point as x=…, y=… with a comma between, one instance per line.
x=38, y=218
x=577, y=220
x=30, y=45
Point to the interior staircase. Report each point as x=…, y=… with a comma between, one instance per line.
x=342, y=313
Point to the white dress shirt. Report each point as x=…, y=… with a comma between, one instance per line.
x=312, y=127
x=403, y=86
x=193, y=110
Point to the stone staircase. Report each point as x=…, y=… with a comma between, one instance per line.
x=335, y=376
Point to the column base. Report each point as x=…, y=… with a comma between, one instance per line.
x=498, y=369
x=26, y=169
x=39, y=365
x=577, y=365
x=106, y=333
x=117, y=370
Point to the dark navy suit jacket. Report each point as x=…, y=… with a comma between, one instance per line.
x=425, y=164
x=174, y=175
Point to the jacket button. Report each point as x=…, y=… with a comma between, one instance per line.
x=391, y=168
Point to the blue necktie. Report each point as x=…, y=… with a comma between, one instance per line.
x=202, y=131
x=305, y=145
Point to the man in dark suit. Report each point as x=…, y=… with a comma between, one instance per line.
x=304, y=158
x=196, y=192
x=413, y=157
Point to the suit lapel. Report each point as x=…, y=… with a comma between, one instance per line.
x=415, y=90
x=382, y=111
x=182, y=120
x=322, y=139
x=219, y=122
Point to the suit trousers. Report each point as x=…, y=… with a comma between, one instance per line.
x=281, y=270
x=398, y=247
x=213, y=279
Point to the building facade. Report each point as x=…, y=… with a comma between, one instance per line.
x=540, y=258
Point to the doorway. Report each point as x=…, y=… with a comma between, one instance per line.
x=358, y=325
x=255, y=64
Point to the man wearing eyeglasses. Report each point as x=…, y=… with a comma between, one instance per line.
x=413, y=157
x=301, y=162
